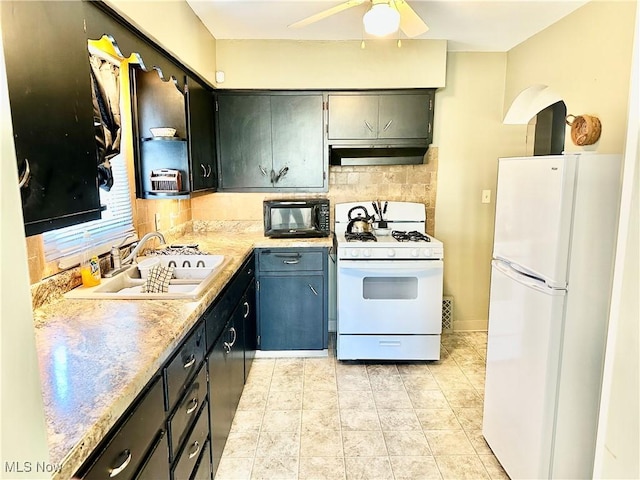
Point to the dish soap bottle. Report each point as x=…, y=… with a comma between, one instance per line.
x=89, y=264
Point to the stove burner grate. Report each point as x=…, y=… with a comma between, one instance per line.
x=360, y=237
x=413, y=236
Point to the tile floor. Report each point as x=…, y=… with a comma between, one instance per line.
x=319, y=418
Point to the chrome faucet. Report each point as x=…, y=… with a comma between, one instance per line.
x=131, y=257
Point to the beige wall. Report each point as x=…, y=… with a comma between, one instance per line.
x=586, y=58
x=331, y=64
x=173, y=25
x=470, y=137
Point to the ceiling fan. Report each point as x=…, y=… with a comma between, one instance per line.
x=382, y=18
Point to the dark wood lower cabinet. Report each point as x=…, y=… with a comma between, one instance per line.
x=203, y=468
x=226, y=381
x=126, y=451
x=178, y=427
x=156, y=466
x=185, y=464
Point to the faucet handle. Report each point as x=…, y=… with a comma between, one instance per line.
x=130, y=235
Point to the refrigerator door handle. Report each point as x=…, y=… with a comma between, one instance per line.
x=525, y=279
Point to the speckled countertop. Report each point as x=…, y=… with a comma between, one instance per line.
x=97, y=355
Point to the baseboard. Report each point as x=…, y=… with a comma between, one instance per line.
x=291, y=353
x=470, y=325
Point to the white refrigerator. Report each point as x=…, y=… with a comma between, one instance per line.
x=555, y=230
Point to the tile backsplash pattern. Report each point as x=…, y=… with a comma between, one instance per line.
x=407, y=183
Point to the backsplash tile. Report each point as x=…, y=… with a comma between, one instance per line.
x=408, y=183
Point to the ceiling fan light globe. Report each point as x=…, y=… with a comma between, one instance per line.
x=382, y=19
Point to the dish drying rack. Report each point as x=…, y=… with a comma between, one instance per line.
x=166, y=180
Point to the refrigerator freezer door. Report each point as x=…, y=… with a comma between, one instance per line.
x=523, y=352
x=534, y=202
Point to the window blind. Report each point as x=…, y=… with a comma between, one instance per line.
x=116, y=222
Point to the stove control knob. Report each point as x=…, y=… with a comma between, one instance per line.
x=366, y=252
x=414, y=252
x=391, y=252
x=355, y=252
x=426, y=252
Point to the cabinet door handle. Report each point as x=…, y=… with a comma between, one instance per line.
x=388, y=125
x=191, y=362
x=204, y=170
x=235, y=336
x=209, y=172
x=246, y=312
x=117, y=470
x=26, y=175
x=368, y=126
x=193, y=405
x=262, y=170
x=315, y=292
x=193, y=453
x=227, y=347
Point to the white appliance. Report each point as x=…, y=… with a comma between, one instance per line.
x=551, y=275
x=389, y=291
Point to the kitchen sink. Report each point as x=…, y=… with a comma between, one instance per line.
x=192, y=276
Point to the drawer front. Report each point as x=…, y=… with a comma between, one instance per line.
x=125, y=452
x=203, y=469
x=184, y=365
x=289, y=261
x=197, y=441
x=156, y=466
x=187, y=410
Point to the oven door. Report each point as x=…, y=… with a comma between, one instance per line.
x=390, y=297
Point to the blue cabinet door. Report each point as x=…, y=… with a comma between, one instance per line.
x=292, y=312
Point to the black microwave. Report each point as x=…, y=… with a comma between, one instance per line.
x=300, y=217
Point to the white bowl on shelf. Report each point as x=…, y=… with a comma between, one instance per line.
x=162, y=131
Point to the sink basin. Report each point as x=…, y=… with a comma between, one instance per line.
x=185, y=266
x=188, y=282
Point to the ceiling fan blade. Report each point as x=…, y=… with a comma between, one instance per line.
x=410, y=23
x=327, y=13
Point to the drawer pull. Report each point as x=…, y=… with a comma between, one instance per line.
x=191, y=362
x=193, y=453
x=117, y=470
x=368, y=125
x=315, y=292
x=291, y=262
x=246, y=313
x=25, y=175
x=193, y=406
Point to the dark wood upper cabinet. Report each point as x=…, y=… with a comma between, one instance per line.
x=271, y=141
x=191, y=151
x=380, y=117
x=48, y=76
x=158, y=103
x=201, y=132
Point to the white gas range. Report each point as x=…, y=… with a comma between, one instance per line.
x=389, y=284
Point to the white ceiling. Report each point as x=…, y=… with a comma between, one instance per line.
x=474, y=25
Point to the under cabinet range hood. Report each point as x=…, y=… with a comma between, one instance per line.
x=376, y=155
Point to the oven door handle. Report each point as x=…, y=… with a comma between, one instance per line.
x=385, y=267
